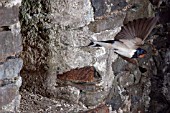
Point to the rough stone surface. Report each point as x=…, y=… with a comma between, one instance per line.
x=9, y=16
x=10, y=98
x=7, y=93
x=160, y=87
x=10, y=64
x=107, y=23
x=72, y=14
x=11, y=68
x=107, y=7
x=93, y=98
x=53, y=32
x=139, y=9
x=10, y=43
x=37, y=103
x=35, y=28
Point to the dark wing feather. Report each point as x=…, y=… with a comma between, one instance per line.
x=126, y=32
x=136, y=24
x=145, y=26
x=142, y=23
x=140, y=28
x=151, y=24
x=133, y=32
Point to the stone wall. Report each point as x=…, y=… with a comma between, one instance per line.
x=10, y=63
x=160, y=81
x=59, y=76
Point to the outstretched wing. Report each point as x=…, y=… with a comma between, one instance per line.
x=136, y=31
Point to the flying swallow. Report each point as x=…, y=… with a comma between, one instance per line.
x=128, y=41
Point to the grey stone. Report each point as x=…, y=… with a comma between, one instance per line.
x=115, y=103
x=69, y=93
x=90, y=99
x=126, y=79
x=8, y=94
x=10, y=44
x=118, y=66
x=9, y=15
x=139, y=9
x=103, y=7
x=10, y=47
x=72, y=14
x=11, y=68
x=13, y=106
x=107, y=23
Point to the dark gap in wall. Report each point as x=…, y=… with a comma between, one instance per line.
x=5, y=28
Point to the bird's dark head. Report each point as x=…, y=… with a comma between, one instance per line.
x=140, y=53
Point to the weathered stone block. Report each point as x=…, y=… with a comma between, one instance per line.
x=93, y=98
x=9, y=44
x=11, y=68
x=140, y=9
x=73, y=13
x=9, y=15
x=7, y=94
x=12, y=106
x=69, y=93
x=104, y=7
x=107, y=23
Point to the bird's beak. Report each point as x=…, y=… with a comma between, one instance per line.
x=142, y=56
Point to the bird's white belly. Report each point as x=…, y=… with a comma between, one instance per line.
x=119, y=47
x=123, y=50
x=126, y=53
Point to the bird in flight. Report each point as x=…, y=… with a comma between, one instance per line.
x=127, y=43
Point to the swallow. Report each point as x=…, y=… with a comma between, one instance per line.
x=127, y=43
